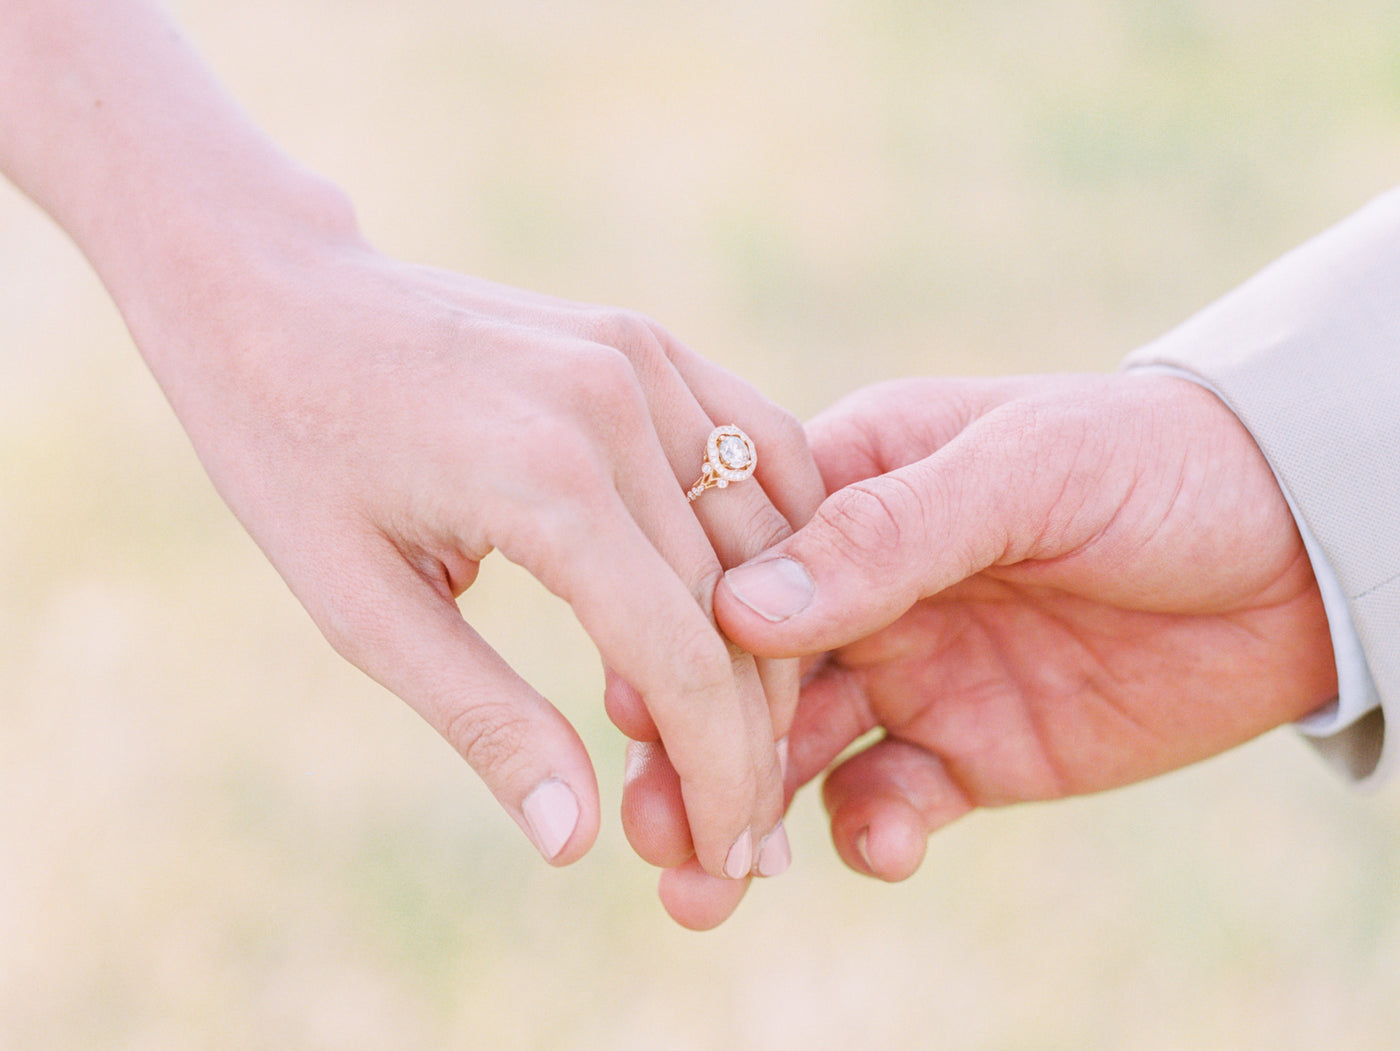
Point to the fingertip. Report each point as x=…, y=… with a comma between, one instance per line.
x=781, y=606
x=749, y=601
x=714, y=801
x=891, y=846
x=864, y=558
x=653, y=813
x=738, y=863
x=774, y=853
x=884, y=803
x=626, y=708
x=695, y=899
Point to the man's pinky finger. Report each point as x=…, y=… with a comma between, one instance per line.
x=885, y=802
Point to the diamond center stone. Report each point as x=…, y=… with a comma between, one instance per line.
x=733, y=452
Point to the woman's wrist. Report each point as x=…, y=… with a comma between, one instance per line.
x=211, y=269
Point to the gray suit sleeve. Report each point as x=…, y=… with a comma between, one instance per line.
x=1307, y=354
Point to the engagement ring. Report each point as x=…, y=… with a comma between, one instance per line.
x=730, y=456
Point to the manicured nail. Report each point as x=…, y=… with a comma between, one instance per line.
x=775, y=589
x=739, y=862
x=551, y=811
x=774, y=853
x=863, y=849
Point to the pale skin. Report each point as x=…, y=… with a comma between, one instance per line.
x=1034, y=587
x=380, y=428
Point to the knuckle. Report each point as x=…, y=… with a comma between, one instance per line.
x=489, y=736
x=566, y=458
x=703, y=669
x=873, y=520
x=729, y=783
x=604, y=385
x=701, y=661
x=878, y=532
x=347, y=635
x=643, y=344
x=755, y=529
x=786, y=433
x=559, y=464
x=627, y=331
x=557, y=489
x=356, y=626
x=704, y=738
x=545, y=538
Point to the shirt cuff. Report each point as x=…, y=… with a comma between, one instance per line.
x=1356, y=689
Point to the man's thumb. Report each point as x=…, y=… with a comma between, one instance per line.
x=872, y=550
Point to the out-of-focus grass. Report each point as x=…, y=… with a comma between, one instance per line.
x=213, y=834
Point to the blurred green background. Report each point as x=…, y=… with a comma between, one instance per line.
x=214, y=834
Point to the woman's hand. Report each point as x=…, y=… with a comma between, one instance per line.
x=379, y=428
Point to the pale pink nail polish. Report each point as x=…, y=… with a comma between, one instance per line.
x=774, y=853
x=739, y=861
x=551, y=811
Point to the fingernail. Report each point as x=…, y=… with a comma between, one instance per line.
x=783, y=756
x=551, y=811
x=863, y=849
x=739, y=862
x=775, y=589
x=774, y=853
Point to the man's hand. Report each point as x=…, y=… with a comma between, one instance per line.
x=1036, y=587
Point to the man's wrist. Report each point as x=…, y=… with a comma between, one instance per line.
x=1356, y=690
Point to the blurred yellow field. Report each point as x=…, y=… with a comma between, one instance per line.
x=214, y=834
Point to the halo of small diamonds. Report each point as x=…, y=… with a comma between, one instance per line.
x=731, y=453
x=730, y=456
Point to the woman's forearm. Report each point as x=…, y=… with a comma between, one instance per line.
x=111, y=122
x=380, y=427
